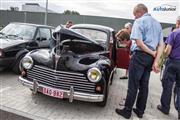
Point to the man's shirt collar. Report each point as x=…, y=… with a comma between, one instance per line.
x=146, y=14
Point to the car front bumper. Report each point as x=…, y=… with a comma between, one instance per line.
x=71, y=94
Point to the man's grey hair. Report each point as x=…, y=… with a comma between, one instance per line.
x=128, y=25
x=178, y=18
x=141, y=7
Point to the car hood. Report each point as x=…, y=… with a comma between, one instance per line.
x=5, y=42
x=67, y=61
x=64, y=34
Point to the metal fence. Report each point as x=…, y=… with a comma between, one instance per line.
x=55, y=19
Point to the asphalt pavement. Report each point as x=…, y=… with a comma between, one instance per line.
x=5, y=115
x=19, y=100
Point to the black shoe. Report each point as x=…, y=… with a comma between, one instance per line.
x=159, y=107
x=137, y=113
x=126, y=114
x=178, y=115
x=123, y=77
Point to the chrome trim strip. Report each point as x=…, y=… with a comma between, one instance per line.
x=112, y=72
x=67, y=87
x=62, y=82
x=71, y=94
x=32, y=72
x=35, y=86
x=71, y=73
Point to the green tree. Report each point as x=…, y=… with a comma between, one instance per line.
x=69, y=12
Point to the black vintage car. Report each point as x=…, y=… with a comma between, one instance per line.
x=80, y=66
x=17, y=39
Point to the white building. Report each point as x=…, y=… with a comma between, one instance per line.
x=34, y=7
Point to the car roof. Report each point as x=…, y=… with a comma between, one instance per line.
x=31, y=24
x=93, y=26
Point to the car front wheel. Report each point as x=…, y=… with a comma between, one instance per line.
x=17, y=68
x=103, y=103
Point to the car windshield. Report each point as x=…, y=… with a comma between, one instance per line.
x=22, y=31
x=98, y=36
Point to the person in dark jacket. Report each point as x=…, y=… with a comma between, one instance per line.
x=172, y=71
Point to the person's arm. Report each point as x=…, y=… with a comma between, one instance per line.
x=144, y=48
x=167, y=50
x=170, y=42
x=160, y=49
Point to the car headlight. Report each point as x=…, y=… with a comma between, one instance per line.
x=27, y=62
x=94, y=74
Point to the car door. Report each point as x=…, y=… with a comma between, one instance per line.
x=122, y=55
x=43, y=37
x=119, y=54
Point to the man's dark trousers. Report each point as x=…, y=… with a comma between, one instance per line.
x=171, y=75
x=139, y=73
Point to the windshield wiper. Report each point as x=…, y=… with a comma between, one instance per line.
x=9, y=35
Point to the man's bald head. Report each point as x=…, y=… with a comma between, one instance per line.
x=178, y=22
x=139, y=10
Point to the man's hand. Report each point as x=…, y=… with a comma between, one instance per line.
x=144, y=48
x=154, y=53
x=155, y=67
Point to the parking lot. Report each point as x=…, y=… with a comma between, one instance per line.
x=18, y=99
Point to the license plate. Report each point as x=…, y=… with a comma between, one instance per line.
x=53, y=92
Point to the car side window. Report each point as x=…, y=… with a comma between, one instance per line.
x=43, y=34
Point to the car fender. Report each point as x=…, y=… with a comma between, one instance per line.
x=21, y=52
x=105, y=66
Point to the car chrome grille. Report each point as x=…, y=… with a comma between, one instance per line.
x=61, y=79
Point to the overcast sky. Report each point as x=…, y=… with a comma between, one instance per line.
x=107, y=8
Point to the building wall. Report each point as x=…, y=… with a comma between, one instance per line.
x=54, y=19
x=35, y=8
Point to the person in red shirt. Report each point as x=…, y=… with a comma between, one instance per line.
x=128, y=27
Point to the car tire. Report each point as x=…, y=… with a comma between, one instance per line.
x=103, y=103
x=17, y=68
